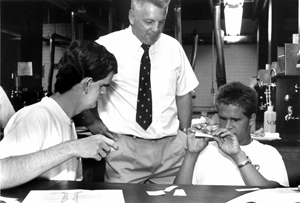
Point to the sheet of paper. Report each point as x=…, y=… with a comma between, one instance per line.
x=156, y=193
x=276, y=195
x=81, y=196
x=9, y=200
x=170, y=188
x=179, y=192
x=246, y=189
x=200, y=134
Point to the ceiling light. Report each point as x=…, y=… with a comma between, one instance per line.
x=233, y=10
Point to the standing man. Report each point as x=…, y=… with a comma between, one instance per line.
x=151, y=147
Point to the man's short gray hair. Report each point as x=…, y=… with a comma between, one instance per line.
x=138, y=4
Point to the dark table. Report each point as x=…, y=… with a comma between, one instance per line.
x=134, y=193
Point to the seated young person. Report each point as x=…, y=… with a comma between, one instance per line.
x=232, y=157
x=41, y=139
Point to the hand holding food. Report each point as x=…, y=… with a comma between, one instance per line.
x=206, y=130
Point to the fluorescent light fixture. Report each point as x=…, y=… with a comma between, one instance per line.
x=233, y=16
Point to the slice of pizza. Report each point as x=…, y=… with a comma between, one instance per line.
x=207, y=130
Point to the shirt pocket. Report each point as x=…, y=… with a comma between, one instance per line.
x=167, y=83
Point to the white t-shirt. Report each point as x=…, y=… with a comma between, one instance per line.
x=6, y=108
x=214, y=167
x=171, y=76
x=37, y=127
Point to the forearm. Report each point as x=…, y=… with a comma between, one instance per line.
x=185, y=173
x=251, y=175
x=184, y=106
x=17, y=170
x=86, y=117
x=91, y=120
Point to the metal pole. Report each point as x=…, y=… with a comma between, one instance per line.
x=73, y=26
x=177, y=12
x=270, y=34
x=298, y=21
x=110, y=19
x=220, y=70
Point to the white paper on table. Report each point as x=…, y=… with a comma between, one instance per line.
x=276, y=195
x=170, y=188
x=9, y=199
x=156, y=193
x=82, y=196
x=246, y=189
x=179, y=192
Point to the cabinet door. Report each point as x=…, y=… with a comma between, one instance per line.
x=287, y=107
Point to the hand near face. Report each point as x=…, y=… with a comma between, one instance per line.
x=196, y=145
x=227, y=141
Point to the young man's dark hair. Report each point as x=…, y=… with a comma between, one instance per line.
x=83, y=59
x=238, y=94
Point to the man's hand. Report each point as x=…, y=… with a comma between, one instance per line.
x=196, y=145
x=98, y=127
x=95, y=146
x=227, y=141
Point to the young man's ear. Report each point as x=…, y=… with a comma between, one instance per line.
x=86, y=84
x=252, y=119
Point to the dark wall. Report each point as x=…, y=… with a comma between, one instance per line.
x=10, y=55
x=25, y=20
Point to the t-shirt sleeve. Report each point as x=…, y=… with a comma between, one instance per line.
x=24, y=136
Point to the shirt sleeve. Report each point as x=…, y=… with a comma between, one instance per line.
x=6, y=108
x=186, y=79
x=22, y=137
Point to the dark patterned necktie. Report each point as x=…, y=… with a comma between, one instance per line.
x=144, y=101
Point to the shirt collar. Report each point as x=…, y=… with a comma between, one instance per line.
x=136, y=43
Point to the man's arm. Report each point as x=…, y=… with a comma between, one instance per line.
x=185, y=173
x=91, y=120
x=229, y=144
x=194, y=147
x=250, y=174
x=17, y=170
x=184, y=106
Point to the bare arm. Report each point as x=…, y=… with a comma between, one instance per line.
x=229, y=144
x=184, y=106
x=185, y=173
x=250, y=175
x=17, y=170
x=90, y=119
x=195, y=146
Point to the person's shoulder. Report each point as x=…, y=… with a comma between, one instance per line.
x=261, y=146
x=38, y=108
x=164, y=38
x=169, y=44
x=116, y=35
x=29, y=115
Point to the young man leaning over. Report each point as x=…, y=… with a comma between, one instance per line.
x=41, y=140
